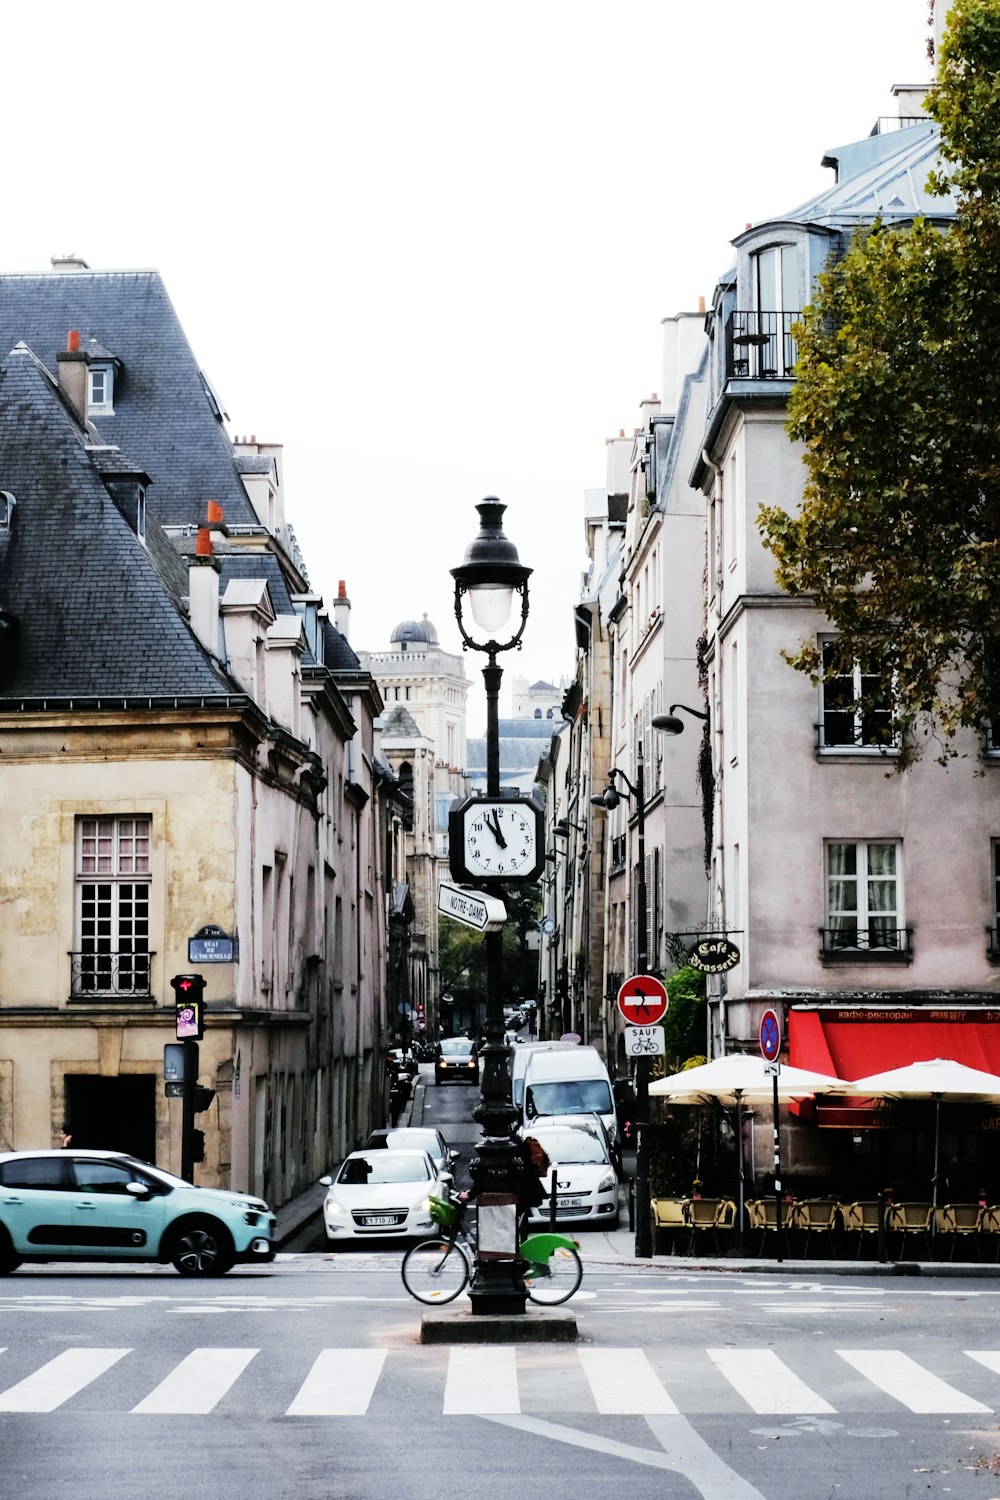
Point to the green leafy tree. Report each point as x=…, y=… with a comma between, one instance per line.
x=896, y=400
x=684, y=1023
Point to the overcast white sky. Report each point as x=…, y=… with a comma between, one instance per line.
x=427, y=244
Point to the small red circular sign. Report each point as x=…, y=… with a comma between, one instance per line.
x=770, y=1036
x=642, y=1000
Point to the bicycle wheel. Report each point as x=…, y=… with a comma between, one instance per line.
x=435, y=1271
x=555, y=1280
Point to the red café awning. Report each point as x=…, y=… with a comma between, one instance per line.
x=853, y=1042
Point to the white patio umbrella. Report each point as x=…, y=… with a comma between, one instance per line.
x=742, y=1076
x=937, y=1078
x=738, y=1078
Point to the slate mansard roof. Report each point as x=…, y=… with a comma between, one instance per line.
x=165, y=417
x=91, y=614
x=97, y=613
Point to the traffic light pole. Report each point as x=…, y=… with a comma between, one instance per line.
x=188, y=1111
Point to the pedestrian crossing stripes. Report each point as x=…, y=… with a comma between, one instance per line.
x=504, y=1381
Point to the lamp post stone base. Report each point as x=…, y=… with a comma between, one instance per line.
x=448, y=1326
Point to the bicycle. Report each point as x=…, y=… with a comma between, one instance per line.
x=436, y=1271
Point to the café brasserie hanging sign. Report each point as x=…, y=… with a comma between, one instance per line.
x=713, y=955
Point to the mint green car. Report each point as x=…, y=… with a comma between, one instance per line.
x=104, y=1205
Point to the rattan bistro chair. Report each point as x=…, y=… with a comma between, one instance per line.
x=763, y=1218
x=703, y=1218
x=956, y=1219
x=989, y=1227
x=819, y=1216
x=861, y=1218
x=912, y=1221
x=669, y=1221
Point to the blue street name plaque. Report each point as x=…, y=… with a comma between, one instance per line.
x=211, y=945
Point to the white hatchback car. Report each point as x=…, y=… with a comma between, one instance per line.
x=380, y=1194
x=586, y=1182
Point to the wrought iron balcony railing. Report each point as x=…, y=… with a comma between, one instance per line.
x=759, y=345
x=110, y=976
x=879, y=944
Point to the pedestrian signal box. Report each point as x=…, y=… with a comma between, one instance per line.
x=189, y=991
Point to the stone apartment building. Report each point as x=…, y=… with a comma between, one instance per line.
x=863, y=903
x=186, y=741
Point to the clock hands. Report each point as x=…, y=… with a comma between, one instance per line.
x=494, y=828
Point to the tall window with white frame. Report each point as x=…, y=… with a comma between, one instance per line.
x=113, y=878
x=864, y=899
x=855, y=707
x=779, y=301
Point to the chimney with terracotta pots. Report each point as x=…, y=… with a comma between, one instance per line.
x=203, y=593
x=342, y=611
x=71, y=366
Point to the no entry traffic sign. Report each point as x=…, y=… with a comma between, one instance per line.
x=642, y=1000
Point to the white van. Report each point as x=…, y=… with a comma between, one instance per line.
x=521, y=1056
x=569, y=1081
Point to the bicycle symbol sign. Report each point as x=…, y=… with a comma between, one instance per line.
x=642, y=1000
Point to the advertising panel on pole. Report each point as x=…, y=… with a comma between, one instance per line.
x=642, y=1000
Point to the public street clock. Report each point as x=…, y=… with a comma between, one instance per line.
x=496, y=838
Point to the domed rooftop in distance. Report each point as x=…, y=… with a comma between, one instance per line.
x=417, y=632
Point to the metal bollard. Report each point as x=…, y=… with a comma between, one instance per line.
x=631, y=1205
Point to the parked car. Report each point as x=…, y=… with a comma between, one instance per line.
x=380, y=1193
x=570, y=1082
x=415, y=1138
x=457, y=1061
x=586, y=1181
x=105, y=1205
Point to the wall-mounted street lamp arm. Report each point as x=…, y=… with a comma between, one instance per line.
x=669, y=724
x=611, y=796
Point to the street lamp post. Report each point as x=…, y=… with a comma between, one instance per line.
x=489, y=578
x=609, y=799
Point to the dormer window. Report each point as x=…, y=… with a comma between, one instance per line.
x=101, y=389
x=7, y=503
x=140, y=513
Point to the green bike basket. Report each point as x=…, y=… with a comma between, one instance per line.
x=443, y=1212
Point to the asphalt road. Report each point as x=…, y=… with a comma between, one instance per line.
x=308, y=1379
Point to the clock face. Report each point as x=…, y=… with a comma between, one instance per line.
x=500, y=839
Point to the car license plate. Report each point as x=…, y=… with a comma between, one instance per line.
x=572, y=1202
x=375, y=1221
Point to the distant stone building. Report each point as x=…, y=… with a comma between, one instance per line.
x=429, y=682
x=423, y=740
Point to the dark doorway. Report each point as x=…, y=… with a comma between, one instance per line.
x=113, y=1114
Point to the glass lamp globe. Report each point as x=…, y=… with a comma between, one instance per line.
x=491, y=605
